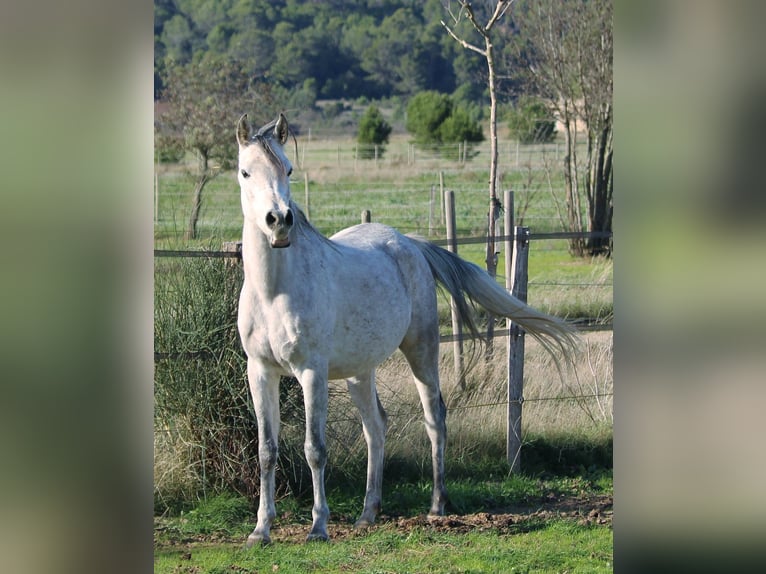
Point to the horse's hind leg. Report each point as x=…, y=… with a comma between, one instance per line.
x=365, y=397
x=422, y=353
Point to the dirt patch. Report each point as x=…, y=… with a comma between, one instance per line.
x=587, y=511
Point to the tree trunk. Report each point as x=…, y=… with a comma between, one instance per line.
x=191, y=230
x=571, y=182
x=600, y=190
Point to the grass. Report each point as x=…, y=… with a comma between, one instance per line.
x=557, y=547
x=210, y=537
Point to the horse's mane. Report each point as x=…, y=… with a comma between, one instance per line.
x=305, y=228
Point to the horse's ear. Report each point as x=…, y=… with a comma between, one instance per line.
x=281, y=129
x=243, y=131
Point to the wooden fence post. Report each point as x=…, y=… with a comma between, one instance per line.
x=441, y=197
x=233, y=247
x=306, y=206
x=508, y=225
x=366, y=216
x=516, y=350
x=457, y=326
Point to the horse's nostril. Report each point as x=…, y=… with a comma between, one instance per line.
x=289, y=218
x=271, y=219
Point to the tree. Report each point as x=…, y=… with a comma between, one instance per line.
x=426, y=112
x=373, y=133
x=204, y=100
x=466, y=12
x=567, y=52
x=488, y=51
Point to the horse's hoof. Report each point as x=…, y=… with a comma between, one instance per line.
x=436, y=512
x=257, y=540
x=317, y=537
x=363, y=524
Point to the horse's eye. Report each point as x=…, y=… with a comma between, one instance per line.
x=289, y=172
x=244, y=174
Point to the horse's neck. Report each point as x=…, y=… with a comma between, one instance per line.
x=272, y=271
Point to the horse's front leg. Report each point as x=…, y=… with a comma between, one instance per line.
x=264, y=388
x=314, y=384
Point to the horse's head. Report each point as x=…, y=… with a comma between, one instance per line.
x=263, y=174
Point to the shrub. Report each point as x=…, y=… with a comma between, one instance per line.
x=530, y=121
x=373, y=131
x=459, y=127
x=201, y=395
x=434, y=119
x=426, y=112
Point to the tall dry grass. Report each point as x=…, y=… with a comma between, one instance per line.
x=578, y=405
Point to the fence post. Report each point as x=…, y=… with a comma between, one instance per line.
x=307, y=206
x=366, y=216
x=233, y=247
x=441, y=197
x=508, y=225
x=457, y=326
x=516, y=350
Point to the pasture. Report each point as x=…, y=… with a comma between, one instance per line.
x=555, y=517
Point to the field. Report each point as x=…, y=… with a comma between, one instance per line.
x=555, y=516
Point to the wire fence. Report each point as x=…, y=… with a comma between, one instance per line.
x=586, y=398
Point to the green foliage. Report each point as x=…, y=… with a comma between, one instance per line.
x=426, y=113
x=433, y=119
x=459, y=127
x=349, y=48
x=530, y=121
x=373, y=132
x=220, y=513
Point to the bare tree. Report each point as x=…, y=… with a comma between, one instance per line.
x=464, y=12
x=204, y=100
x=566, y=49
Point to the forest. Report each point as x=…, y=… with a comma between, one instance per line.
x=332, y=49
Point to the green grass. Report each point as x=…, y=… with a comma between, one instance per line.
x=210, y=537
x=556, y=547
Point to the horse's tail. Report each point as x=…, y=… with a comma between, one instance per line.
x=470, y=286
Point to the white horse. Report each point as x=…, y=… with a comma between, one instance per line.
x=318, y=309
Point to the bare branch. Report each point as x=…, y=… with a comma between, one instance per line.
x=472, y=19
x=500, y=10
x=462, y=42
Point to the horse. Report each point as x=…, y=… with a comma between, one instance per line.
x=319, y=309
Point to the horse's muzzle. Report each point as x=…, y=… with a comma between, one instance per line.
x=280, y=226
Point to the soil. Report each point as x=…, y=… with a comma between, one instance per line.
x=592, y=510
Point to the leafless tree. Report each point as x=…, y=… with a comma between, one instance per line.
x=463, y=10
x=565, y=49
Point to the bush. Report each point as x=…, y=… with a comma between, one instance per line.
x=373, y=131
x=434, y=119
x=202, y=405
x=426, y=112
x=530, y=121
x=459, y=127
